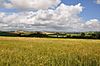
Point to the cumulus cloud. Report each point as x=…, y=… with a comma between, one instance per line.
x=64, y=18
x=60, y=19
x=98, y=1
x=93, y=25
x=31, y=4
x=7, y=5
x=1, y=3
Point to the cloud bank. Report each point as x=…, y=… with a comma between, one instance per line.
x=31, y=4
x=63, y=18
x=98, y=1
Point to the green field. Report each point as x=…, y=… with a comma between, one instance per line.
x=16, y=51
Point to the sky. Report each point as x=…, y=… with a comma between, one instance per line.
x=50, y=15
x=91, y=8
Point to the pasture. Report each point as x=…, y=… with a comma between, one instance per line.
x=16, y=51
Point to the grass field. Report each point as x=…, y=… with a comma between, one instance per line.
x=15, y=51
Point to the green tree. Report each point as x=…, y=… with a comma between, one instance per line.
x=82, y=35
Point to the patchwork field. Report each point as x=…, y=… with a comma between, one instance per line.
x=16, y=51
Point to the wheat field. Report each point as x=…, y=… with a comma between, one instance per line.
x=16, y=51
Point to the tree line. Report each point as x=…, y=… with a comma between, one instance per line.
x=81, y=35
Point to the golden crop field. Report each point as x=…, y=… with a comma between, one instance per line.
x=16, y=51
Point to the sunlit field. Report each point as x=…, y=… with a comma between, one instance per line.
x=16, y=51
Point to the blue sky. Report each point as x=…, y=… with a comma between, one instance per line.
x=91, y=9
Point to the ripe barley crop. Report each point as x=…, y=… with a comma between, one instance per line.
x=49, y=52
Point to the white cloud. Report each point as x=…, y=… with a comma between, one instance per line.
x=8, y=5
x=98, y=1
x=31, y=4
x=93, y=25
x=63, y=18
x=1, y=3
